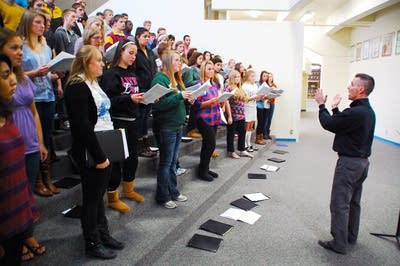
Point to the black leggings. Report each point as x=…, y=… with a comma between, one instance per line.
x=239, y=127
x=207, y=145
x=127, y=168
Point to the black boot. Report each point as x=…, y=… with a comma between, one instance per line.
x=144, y=148
x=204, y=175
x=110, y=242
x=97, y=250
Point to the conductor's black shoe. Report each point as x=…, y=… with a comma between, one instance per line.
x=213, y=174
x=206, y=177
x=328, y=245
x=110, y=242
x=99, y=251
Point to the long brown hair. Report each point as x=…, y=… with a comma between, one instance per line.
x=5, y=36
x=174, y=77
x=80, y=64
x=24, y=28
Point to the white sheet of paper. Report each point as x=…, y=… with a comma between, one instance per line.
x=61, y=63
x=225, y=96
x=264, y=89
x=110, y=52
x=249, y=217
x=156, y=92
x=233, y=213
x=201, y=90
x=193, y=88
x=126, y=150
x=256, y=196
x=269, y=168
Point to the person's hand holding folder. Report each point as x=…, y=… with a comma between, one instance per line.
x=137, y=98
x=188, y=97
x=103, y=165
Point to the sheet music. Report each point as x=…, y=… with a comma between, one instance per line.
x=156, y=92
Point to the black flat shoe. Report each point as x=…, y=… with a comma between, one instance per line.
x=327, y=245
x=110, y=242
x=99, y=251
x=213, y=174
x=206, y=177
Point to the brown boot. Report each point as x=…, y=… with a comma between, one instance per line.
x=194, y=133
x=115, y=203
x=45, y=169
x=129, y=192
x=40, y=189
x=260, y=140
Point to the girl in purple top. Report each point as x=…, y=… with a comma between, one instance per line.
x=208, y=119
x=27, y=120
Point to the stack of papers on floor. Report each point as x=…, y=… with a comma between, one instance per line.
x=249, y=217
x=208, y=243
x=256, y=197
x=269, y=168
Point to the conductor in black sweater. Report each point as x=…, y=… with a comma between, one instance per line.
x=354, y=131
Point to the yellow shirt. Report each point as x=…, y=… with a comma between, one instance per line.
x=54, y=13
x=11, y=14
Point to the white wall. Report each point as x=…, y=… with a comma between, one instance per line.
x=386, y=96
x=276, y=47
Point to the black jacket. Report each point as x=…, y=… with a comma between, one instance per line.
x=119, y=83
x=82, y=113
x=353, y=127
x=145, y=69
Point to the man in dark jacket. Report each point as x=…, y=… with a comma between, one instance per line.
x=354, y=132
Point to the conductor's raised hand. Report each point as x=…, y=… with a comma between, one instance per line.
x=336, y=101
x=320, y=98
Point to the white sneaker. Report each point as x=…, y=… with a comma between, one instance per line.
x=170, y=205
x=246, y=154
x=181, y=198
x=180, y=171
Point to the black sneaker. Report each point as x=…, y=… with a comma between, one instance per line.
x=99, y=251
x=110, y=242
x=206, y=177
x=213, y=174
x=254, y=148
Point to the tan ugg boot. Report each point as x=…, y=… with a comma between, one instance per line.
x=129, y=192
x=260, y=140
x=115, y=203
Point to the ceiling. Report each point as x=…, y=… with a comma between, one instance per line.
x=336, y=14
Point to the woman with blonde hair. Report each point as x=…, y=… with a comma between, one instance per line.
x=88, y=111
x=36, y=56
x=91, y=25
x=236, y=114
x=208, y=118
x=169, y=114
x=250, y=112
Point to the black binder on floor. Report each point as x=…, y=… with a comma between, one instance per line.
x=280, y=152
x=67, y=182
x=276, y=160
x=216, y=227
x=256, y=176
x=244, y=204
x=203, y=242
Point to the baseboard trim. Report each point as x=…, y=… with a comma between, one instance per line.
x=386, y=141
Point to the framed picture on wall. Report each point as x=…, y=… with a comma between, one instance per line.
x=398, y=42
x=375, y=45
x=365, y=50
x=387, y=41
x=358, y=51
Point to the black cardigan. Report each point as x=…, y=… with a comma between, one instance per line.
x=145, y=69
x=82, y=113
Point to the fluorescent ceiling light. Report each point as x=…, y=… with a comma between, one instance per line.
x=254, y=13
x=307, y=16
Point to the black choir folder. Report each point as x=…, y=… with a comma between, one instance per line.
x=276, y=160
x=257, y=176
x=114, y=145
x=216, y=227
x=244, y=204
x=208, y=243
x=280, y=152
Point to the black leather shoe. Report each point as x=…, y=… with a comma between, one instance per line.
x=110, y=242
x=99, y=251
x=206, y=177
x=327, y=245
x=213, y=174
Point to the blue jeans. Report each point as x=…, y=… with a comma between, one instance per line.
x=169, y=140
x=142, y=120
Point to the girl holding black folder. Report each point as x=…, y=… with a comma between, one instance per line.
x=87, y=107
x=120, y=84
x=169, y=114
